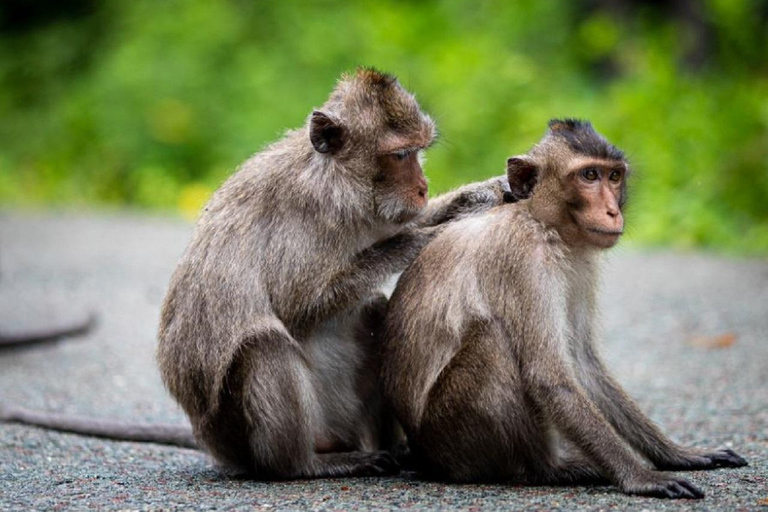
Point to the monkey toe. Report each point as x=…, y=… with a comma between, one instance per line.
x=384, y=463
x=381, y=464
x=681, y=489
x=726, y=459
x=404, y=456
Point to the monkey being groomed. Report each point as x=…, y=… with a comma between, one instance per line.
x=489, y=358
x=269, y=332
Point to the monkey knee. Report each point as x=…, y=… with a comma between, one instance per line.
x=259, y=436
x=263, y=424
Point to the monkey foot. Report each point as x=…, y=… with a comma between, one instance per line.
x=713, y=460
x=663, y=486
x=357, y=464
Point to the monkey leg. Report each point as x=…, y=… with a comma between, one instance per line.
x=385, y=431
x=476, y=425
x=269, y=419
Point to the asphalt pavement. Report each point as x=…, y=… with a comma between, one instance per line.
x=686, y=333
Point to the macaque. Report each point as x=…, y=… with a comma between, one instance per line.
x=489, y=358
x=270, y=330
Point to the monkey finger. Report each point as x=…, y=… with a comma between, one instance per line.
x=676, y=489
x=690, y=490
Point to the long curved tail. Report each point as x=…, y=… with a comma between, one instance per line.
x=51, y=333
x=160, y=433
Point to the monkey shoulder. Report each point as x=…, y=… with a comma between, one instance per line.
x=515, y=250
x=521, y=232
x=453, y=255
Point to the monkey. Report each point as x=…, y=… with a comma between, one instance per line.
x=270, y=329
x=488, y=353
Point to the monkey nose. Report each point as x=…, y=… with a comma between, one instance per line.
x=615, y=219
x=422, y=189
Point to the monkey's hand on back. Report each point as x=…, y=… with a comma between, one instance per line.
x=395, y=253
x=369, y=267
x=467, y=200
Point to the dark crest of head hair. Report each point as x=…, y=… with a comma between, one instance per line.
x=583, y=139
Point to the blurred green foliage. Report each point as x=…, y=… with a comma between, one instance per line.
x=154, y=104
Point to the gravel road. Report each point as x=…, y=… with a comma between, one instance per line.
x=686, y=333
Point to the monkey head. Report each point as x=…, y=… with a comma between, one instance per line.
x=580, y=183
x=374, y=129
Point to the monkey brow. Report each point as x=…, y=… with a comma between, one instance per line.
x=599, y=163
x=410, y=142
x=397, y=149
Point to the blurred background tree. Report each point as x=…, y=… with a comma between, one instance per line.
x=153, y=104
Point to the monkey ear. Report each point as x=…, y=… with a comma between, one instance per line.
x=326, y=135
x=523, y=174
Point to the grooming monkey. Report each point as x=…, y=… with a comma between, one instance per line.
x=269, y=331
x=489, y=358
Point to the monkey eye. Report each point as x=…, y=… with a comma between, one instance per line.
x=590, y=174
x=615, y=176
x=401, y=154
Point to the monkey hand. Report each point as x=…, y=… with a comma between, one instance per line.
x=659, y=485
x=693, y=460
x=481, y=196
x=468, y=200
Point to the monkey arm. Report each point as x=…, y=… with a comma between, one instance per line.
x=537, y=328
x=548, y=380
x=639, y=431
x=550, y=384
x=367, y=271
x=540, y=333
x=466, y=200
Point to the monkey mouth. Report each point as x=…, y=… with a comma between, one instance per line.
x=605, y=232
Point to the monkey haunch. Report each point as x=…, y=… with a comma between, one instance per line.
x=489, y=355
x=268, y=335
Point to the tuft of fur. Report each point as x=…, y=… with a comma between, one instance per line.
x=582, y=138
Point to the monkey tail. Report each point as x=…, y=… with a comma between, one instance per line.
x=160, y=433
x=76, y=328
